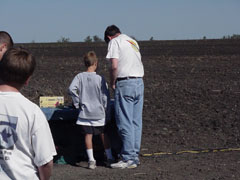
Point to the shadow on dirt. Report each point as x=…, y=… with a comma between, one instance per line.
x=69, y=141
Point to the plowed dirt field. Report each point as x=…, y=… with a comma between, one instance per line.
x=191, y=118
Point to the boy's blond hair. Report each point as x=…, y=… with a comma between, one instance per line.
x=90, y=58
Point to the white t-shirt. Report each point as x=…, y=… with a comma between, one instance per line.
x=91, y=122
x=126, y=50
x=25, y=138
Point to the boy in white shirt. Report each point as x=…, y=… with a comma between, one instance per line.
x=26, y=144
x=90, y=94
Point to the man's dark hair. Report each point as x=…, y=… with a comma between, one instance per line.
x=16, y=66
x=111, y=31
x=6, y=38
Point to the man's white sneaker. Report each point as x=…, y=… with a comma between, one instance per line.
x=92, y=165
x=124, y=164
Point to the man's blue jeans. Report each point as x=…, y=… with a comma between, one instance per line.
x=128, y=113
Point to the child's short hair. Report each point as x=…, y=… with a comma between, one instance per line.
x=6, y=38
x=16, y=66
x=90, y=58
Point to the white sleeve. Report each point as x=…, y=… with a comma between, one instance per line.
x=113, y=50
x=42, y=141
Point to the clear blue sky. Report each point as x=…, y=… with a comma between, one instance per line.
x=49, y=20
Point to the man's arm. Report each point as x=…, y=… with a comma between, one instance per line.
x=113, y=72
x=45, y=171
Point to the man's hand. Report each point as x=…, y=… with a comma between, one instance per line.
x=113, y=86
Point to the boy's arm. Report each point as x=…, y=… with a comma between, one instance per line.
x=73, y=91
x=42, y=144
x=45, y=171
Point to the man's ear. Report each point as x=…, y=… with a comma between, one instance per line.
x=109, y=37
x=27, y=81
x=2, y=47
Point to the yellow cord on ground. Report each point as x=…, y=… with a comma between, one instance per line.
x=192, y=152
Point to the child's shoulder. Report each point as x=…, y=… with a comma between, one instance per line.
x=100, y=76
x=23, y=101
x=80, y=74
x=93, y=74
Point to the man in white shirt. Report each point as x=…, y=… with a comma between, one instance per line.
x=26, y=144
x=6, y=42
x=126, y=74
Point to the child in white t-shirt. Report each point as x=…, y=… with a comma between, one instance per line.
x=90, y=95
x=26, y=144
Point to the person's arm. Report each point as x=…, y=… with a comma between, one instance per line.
x=105, y=95
x=42, y=144
x=73, y=91
x=45, y=171
x=113, y=72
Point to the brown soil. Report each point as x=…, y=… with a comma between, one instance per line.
x=191, y=104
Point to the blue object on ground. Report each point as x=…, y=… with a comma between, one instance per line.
x=60, y=160
x=66, y=113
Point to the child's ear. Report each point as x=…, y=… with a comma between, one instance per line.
x=27, y=81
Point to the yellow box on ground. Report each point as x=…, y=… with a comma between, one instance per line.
x=51, y=101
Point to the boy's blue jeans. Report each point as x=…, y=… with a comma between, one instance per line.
x=128, y=113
